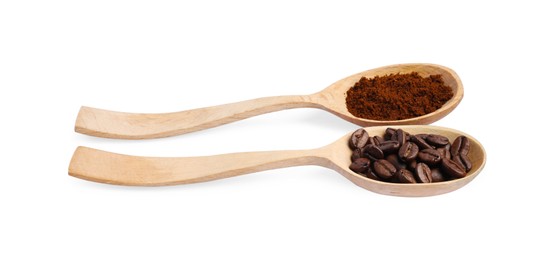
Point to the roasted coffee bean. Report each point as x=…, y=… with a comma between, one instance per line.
x=376, y=140
x=422, y=144
x=461, y=145
x=452, y=168
x=384, y=169
x=437, y=140
x=401, y=136
x=394, y=159
x=367, y=173
x=463, y=160
x=357, y=153
x=370, y=174
x=411, y=165
x=466, y=161
x=408, y=151
x=359, y=139
x=389, y=132
x=389, y=147
x=437, y=175
x=372, y=152
x=360, y=165
x=444, y=152
x=429, y=156
x=423, y=173
x=400, y=157
x=405, y=176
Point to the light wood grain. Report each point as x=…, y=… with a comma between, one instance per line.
x=101, y=166
x=112, y=124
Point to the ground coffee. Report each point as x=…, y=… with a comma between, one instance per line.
x=397, y=96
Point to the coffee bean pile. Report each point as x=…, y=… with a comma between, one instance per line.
x=401, y=157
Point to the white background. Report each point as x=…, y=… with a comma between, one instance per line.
x=162, y=56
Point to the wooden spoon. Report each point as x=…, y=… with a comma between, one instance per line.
x=106, y=167
x=111, y=124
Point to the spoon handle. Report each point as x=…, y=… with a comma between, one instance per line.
x=112, y=124
x=101, y=166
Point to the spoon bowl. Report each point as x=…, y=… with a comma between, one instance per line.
x=121, y=125
x=333, y=98
x=342, y=160
x=105, y=167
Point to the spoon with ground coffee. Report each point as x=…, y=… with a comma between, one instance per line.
x=105, y=167
x=112, y=124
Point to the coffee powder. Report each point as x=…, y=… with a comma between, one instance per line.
x=397, y=96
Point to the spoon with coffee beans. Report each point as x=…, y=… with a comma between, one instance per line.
x=410, y=161
x=121, y=125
